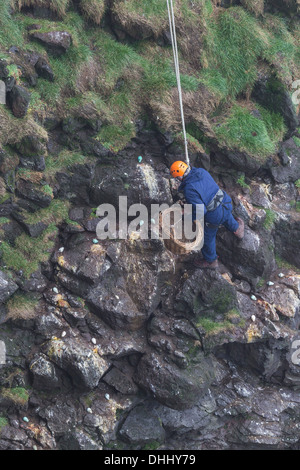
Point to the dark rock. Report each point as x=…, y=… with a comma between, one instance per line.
x=31, y=146
x=18, y=99
x=7, y=287
x=142, y=426
x=286, y=238
x=271, y=93
x=176, y=388
x=290, y=168
x=34, y=192
x=240, y=161
x=44, y=373
x=117, y=310
x=120, y=382
x=203, y=291
x=140, y=183
x=44, y=70
x=33, y=229
x=78, y=440
x=60, y=418
x=35, y=163
x=3, y=69
x=36, y=283
x=248, y=259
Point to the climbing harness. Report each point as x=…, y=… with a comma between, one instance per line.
x=176, y=63
x=216, y=201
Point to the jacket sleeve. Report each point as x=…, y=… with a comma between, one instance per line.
x=192, y=197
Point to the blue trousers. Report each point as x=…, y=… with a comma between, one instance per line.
x=221, y=216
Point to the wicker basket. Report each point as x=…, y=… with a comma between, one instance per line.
x=178, y=246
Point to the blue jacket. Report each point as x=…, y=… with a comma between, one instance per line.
x=199, y=187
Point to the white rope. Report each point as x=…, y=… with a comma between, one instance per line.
x=177, y=72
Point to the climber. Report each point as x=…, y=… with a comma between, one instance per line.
x=199, y=187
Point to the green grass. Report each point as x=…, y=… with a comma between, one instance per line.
x=55, y=213
x=297, y=141
x=245, y=132
x=297, y=184
x=270, y=218
x=10, y=32
x=3, y=423
x=242, y=183
x=28, y=253
x=213, y=327
x=232, y=46
x=63, y=161
x=17, y=395
x=58, y=6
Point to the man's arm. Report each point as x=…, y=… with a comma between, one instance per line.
x=192, y=197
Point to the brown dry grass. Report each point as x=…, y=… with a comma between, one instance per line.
x=57, y=6
x=88, y=76
x=21, y=306
x=13, y=130
x=93, y=9
x=255, y=6
x=197, y=106
x=135, y=24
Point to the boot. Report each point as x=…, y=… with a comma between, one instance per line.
x=239, y=233
x=203, y=264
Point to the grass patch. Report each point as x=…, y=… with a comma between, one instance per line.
x=284, y=264
x=93, y=10
x=63, y=161
x=233, y=44
x=55, y=213
x=18, y=395
x=28, y=253
x=242, y=183
x=297, y=141
x=213, y=327
x=21, y=306
x=10, y=32
x=270, y=218
x=57, y=6
x=3, y=423
x=245, y=132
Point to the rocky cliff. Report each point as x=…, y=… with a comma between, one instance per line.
x=122, y=344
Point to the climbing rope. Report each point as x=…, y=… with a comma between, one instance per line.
x=177, y=72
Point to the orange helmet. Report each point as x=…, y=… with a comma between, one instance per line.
x=178, y=169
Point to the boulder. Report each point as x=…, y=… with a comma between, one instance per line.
x=205, y=291
x=142, y=426
x=248, y=259
x=113, y=304
x=44, y=70
x=18, y=99
x=174, y=387
x=33, y=191
x=58, y=42
x=78, y=360
x=44, y=373
x=141, y=183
